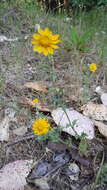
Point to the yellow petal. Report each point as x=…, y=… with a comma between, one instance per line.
x=34, y=41
x=56, y=41
x=34, y=48
x=41, y=31
x=36, y=100
x=50, y=50
x=55, y=37
x=36, y=36
x=45, y=52
x=37, y=48
x=41, y=49
x=54, y=46
x=47, y=32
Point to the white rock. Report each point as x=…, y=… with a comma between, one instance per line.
x=4, y=38
x=20, y=131
x=4, y=129
x=4, y=125
x=13, y=175
x=75, y=169
x=99, y=90
x=82, y=123
x=42, y=183
x=95, y=111
x=104, y=98
x=102, y=94
x=102, y=127
x=37, y=26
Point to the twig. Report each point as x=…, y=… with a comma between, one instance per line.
x=19, y=140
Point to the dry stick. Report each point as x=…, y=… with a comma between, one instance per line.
x=54, y=169
x=19, y=140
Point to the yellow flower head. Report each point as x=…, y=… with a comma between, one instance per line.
x=40, y=126
x=93, y=67
x=36, y=100
x=44, y=41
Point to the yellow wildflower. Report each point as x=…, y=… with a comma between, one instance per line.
x=36, y=100
x=40, y=126
x=45, y=41
x=93, y=67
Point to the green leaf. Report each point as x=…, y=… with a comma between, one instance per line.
x=74, y=36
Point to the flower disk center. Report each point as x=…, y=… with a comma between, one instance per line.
x=44, y=41
x=40, y=128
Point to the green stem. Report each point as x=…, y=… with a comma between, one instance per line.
x=98, y=174
x=70, y=121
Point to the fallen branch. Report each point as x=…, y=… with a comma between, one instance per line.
x=20, y=140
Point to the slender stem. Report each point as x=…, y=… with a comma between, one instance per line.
x=70, y=121
x=98, y=173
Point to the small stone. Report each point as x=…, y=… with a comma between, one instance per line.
x=20, y=131
x=75, y=170
x=104, y=98
x=42, y=183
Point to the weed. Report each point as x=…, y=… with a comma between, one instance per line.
x=88, y=72
x=103, y=176
x=99, y=174
x=79, y=40
x=83, y=146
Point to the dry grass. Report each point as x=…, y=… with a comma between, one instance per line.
x=19, y=60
